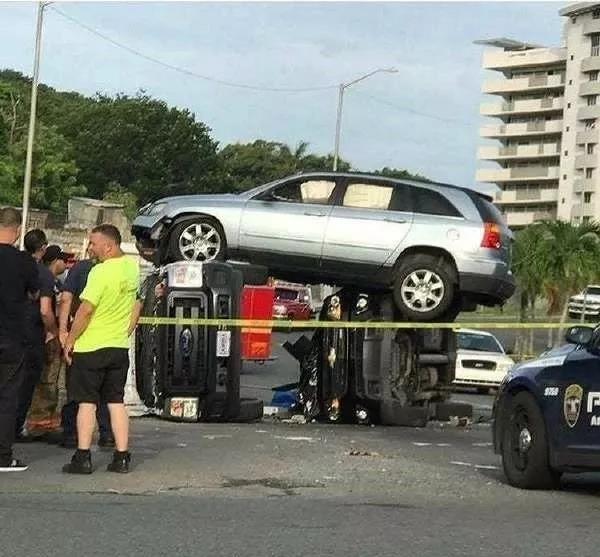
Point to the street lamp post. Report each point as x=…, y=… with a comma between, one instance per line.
x=32, y=117
x=338, y=123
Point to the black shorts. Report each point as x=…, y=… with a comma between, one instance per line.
x=99, y=376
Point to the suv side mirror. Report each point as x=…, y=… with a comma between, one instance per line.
x=579, y=335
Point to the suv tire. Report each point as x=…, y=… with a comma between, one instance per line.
x=424, y=287
x=197, y=228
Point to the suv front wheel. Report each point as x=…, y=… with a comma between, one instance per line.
x=424, y=287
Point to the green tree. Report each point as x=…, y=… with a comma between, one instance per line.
x=144, y=147
x=401, y=173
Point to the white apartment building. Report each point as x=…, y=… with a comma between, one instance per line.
x=546, y=125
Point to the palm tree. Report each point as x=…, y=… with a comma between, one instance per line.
x=530, y=266
x=572, y=258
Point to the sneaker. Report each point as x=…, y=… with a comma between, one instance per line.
x=14, y=466
x=106, y=442
x=120, y=462
x=81, y=463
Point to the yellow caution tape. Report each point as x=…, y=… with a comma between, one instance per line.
x=284, y=324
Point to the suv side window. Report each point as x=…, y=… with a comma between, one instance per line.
x=317, y=192
x=379, y=196
x=368, y=196
x=429, y=202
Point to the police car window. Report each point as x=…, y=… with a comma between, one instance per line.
x=429, y=202
x=368, y=196
x=478, y=342
x=308, y=191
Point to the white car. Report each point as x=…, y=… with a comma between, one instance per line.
x=590, y=299
x=480, y=360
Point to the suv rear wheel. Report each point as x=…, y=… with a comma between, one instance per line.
x=424, y=287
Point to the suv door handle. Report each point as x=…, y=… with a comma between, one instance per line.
x=309, y=214
x=398, y=221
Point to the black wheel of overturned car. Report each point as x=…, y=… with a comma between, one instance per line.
x=525, y=456
x=197, y=239
x=424, y=287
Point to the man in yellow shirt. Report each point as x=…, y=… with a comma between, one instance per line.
x=97, y=347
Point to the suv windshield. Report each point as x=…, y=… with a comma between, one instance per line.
x=593, y=291
x=481, y=343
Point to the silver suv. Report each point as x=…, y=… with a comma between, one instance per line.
x=439, y=248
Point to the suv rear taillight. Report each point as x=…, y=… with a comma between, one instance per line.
x=492, y=236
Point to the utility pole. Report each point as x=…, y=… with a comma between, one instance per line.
x=338, y=123
x=32, y=118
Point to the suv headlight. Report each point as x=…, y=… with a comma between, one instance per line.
x=155, y=209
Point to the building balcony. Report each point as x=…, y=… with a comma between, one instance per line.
x=498, y=60
x=527, y=196
x=590, y=64
x=589, y=88
x=584, y=184
x=517, y=219
x=528, y=129
x=518, y=174
x=523, y=107
x=588, y=112
x=588, y=136
x=519, y=152
x=499, y=86
x=586, y=161
x=583, y=210
x=592, y=26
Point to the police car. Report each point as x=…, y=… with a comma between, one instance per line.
x=547, y=413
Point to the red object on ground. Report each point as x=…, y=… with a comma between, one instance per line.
x=257, y=303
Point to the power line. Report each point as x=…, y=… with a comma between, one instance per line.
x=186, y=71
x=412, y=111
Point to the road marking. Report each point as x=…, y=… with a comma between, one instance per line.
x=460, y=463
x=213, y=437
x=289, y=438
x=443, y=445
x=486, y=467
x=422, y=444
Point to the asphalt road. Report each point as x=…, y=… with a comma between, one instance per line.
x=276, y=488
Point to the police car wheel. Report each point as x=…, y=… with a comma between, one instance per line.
x=524, y=445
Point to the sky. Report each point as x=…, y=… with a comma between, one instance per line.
x=424, y=118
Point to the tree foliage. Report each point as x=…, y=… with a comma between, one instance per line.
x=130, y=149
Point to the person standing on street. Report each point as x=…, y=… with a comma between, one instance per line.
x=36, y=244
x=43, y=420
x=97, y=347
x=18, y=282
x=70, y=301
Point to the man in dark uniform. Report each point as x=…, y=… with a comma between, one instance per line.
x=71, y=291
x=18, y=281
x=35, y=245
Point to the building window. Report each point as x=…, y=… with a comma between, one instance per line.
x=572, y=57
x=586, y=219
x=587, y=197
x=568, y=105
x=563, y=201
x=590, y=148
x=596, y=14
x=570, y=82
x=568, y=128
x=590, y=124
x=564, y=176
x=573, y=19
x=589, y=173
x=591, y=100
x=595, y=44
x=566, y=153
x=594, y=75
